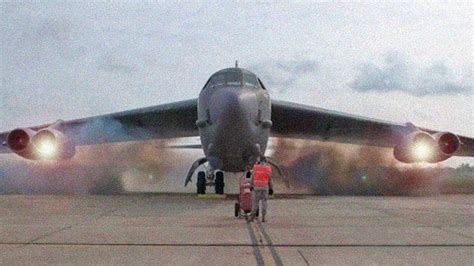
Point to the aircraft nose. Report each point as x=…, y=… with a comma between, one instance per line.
x=233, y=112
x=231, y=105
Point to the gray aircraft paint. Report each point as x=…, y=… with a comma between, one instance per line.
x=234, y=122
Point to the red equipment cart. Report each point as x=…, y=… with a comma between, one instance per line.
x=243, y=206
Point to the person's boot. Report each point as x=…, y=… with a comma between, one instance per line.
x=263, y=218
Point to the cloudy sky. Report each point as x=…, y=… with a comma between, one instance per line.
x=399, y=62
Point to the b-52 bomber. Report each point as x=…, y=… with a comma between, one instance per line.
x=234, y=117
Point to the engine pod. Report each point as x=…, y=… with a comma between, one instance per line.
x=19, y=141
x=448, y=143
x=51, y=144
x=418, y=146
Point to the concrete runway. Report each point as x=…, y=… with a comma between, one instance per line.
x=181, y=229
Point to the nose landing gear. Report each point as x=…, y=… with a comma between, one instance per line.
x=206, y=178
x=210, y=179
x=216, y=180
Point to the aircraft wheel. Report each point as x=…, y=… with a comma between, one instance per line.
x=219, y=183
x=201, y=183
x=236, y=209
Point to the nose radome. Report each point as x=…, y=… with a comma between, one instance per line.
x=226, y=104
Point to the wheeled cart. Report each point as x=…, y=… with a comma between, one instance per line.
x=243, y=206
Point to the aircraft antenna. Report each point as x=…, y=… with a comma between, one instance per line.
x=236, y=63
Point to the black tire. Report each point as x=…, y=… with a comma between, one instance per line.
x=201, y=183
x=219, y=185
x=236, y=209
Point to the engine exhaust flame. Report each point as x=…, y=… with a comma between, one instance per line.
x=47, y=148
x=345, y=169
x=105, y=168
x=422, y=151
x=45, y=145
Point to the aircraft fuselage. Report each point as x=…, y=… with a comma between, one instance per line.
x=234, y=119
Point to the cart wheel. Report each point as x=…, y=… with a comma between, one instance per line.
x=236, y=209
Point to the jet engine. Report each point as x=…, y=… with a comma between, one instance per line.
x=420, y=146
x=19, y=141
x=447, y=144
x=46, y=144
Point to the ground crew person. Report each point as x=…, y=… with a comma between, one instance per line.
x=262, y=186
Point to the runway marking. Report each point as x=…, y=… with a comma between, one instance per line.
x=301, y=254
x=234, y=245
x=47, y=235
x=211, y=196
x=273, y=251
x=264, y=250
x=256, y=249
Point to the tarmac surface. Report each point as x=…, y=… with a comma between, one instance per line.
x=182, y=229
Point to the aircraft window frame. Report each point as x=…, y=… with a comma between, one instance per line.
x=234, y=82
x=261, y=84
x=216, y=80
x=246, y=80
x=207, y=84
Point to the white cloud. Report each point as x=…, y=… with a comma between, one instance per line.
x=399, y=74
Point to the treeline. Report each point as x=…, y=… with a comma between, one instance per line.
x=462, y=171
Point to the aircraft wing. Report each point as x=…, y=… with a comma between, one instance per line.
x=298, y=121
x=173, y=120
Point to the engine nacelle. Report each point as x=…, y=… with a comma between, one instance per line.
x=446, y=145
x=19, y=141
x=52, y=144
x=48, y=143
x=419, y=146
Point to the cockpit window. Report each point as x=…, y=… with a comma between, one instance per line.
x=217, y=80
x=250, y=80
x=233, y=78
